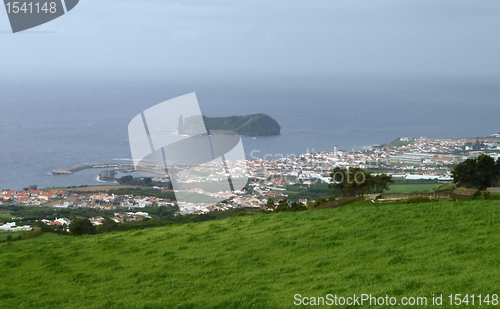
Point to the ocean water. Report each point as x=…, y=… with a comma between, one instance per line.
x=48, y=124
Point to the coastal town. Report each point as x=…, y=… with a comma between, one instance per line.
x=409, y=158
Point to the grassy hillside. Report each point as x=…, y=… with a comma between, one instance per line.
x=262, y=261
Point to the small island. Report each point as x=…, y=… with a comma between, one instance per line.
x=251, y=125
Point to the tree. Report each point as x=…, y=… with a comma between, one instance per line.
x=126, y=179
x=270, y=203
x=297, y=207
x=81, y=226
x=497, y=167
x=478, y=173
x=381, y=182
x=356, y=181
x=487, y=173
x=109, y=225
x=282, y=206
x=44, y=228
x=464, y=174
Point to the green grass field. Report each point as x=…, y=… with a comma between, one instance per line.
x=312, y=192
x=3, y=235
x=6, y=215
x=262, y=261
x=410, y=188
x=321, y=189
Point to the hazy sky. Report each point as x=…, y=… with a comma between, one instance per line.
x=125, y=38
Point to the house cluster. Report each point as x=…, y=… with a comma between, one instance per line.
x=98, y=220
x=121, y=217
x=262, y=192
x=418, y=156
x=249, y=201
x=412, y=158
x=104, y=201
x=235, y=201
x=30, y=197
x=214, y=171
x=409, y=157
x=63, y=199
x=57, y=222
x=219, y=194
x=11, y=227
x=201, y=208
x=130, y=216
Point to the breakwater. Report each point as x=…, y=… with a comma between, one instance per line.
x=75, y=168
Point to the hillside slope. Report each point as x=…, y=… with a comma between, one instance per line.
x=262, y=261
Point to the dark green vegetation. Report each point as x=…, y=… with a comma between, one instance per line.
x=81, y=226
x=142, y=182
x=310, y=192
x=478, y=173
x=356, y=181
x=130, y=180
x=261, y=261
x=251, y=125
x=6, y=236
x=413, y=188
x=321, y=190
